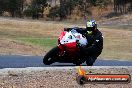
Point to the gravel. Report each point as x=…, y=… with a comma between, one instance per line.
x=56, y=77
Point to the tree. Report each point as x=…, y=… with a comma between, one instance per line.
x=1, y=7
x=38, y=7
x=15, y=7
x=54, y=12
x=66, y=7
x=42, y=4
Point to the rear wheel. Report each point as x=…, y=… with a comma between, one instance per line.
x=90, y=61
x=49, y=57
x=78, y=63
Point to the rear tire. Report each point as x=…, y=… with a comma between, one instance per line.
x=90, y=61
x=78, y=63
x=49, y=57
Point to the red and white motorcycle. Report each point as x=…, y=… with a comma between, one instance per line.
x=67, y=50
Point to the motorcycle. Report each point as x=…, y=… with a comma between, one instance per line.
x=68, y=48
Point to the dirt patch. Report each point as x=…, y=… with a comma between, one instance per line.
x=118, y=20
x=11, y=47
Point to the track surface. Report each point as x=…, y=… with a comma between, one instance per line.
x=16, y=61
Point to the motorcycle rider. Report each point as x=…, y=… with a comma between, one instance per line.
x=95, y=42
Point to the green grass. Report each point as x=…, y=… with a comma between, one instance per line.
x=42, y=42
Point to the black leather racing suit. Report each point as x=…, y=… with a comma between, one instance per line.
x=94, y=46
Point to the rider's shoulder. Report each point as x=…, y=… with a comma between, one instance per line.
x=99, y=33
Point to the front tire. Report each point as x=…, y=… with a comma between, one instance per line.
x=49, y=57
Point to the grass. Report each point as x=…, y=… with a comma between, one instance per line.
x=43, y=42
x=117, y=44
x=117, y=48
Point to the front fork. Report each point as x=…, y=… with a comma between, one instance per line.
x=62, y=50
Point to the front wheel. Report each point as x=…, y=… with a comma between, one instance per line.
x=49, y=57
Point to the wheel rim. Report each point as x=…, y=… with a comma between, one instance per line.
x=49, y=59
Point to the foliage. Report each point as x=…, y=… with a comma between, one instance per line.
x=102, y=3
x=12, y=6
x=28, y=12
x=62, y=10
x=54, y=12
x=37, y=7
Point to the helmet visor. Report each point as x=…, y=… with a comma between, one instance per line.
x=90, y=28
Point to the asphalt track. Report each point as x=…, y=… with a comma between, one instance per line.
x=17, y=61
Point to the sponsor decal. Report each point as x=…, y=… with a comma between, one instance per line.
x=83, y=77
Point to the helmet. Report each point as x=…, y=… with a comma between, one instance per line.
x=91, y=26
